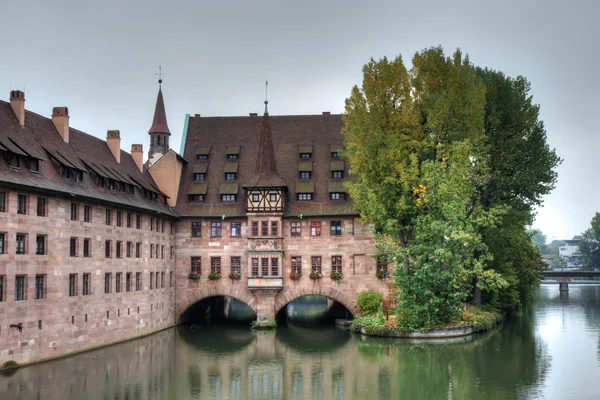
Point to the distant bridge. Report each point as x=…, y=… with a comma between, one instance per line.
x=564, y=277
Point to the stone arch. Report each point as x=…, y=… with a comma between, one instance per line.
x=193, y=297
x=287, y=296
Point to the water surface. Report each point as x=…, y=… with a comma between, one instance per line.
x=550, y=352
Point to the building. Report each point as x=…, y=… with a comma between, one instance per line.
x=570, y=253
x=96, y=247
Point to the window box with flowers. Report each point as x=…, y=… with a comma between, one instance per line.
x=295, y=276
x=315, y=275
x=194, y=276
x=235, y=275
x=382, y=274
x=214, y=276
x=336, y=276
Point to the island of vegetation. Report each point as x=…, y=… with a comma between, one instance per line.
x=450, y=162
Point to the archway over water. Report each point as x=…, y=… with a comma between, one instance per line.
x=218, y=310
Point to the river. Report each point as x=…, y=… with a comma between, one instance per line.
x=549, y=352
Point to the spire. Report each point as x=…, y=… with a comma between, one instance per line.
x=265, y=173
x=159, y=124
x=266, y=98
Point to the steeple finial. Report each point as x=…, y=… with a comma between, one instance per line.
x=266, y=92
x=160, y=74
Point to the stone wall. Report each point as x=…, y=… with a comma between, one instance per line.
x=59, y=324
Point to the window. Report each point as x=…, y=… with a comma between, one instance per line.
x=108, y=217
x=107, y=249
x=273, y=197
x=138, y=281
x=39, y=287
x=129, y=249
x=162, y=226
x=199, y=177
x=162, y=280
x=236, y=264
x=255, y=197
x=34, y=165
x=232, y=156
x=199, y=198
x=14, y=161
x=215, y=229
x=151, y=280
x=21, y=243
x=305, y=156
x=171, y=279
x=157, y=224
x=151, y=250
x=196, y=265
x=87, y=247
x=118, y=276
x=315, y=228
x=255, y=228
x=297, y=265
x=255, y=267
x=119, y=218
x=337, y=174
x=274, y=267
x=304, y=174
x=151, y=223
x=304, y=196
x=129, y=220
x=87, y=214
x=215, y=265
x=337, y=196
x=382, y=265
x=72, y=285
x=156, y=285
x=335, y=155
x=2, y=201
x=20, y=287
x=315, y=263
x=171, y=252
x=227, y=197
x=296, y=228
x=202, y=157
x=274, y=228
x=86, y=284
x=107, y=282
x=230, y=176
x=236, y=229
x=336, y=264
x=1, y=288
x=21, y=204
x=41, y=207
x=138, y=250
x=196, y=229
x=119, y=249
x=40, y=245
x=73, y=247
x=336, y=228
x=128, y=282
x=264, y=263
x=162, y=251
x=264, y=225
x=138, y=221
x=73, y=211
x=2, y=242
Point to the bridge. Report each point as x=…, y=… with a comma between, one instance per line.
x=564, y=277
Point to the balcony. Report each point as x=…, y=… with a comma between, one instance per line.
x=265, y=282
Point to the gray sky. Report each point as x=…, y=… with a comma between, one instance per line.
x=100, y=60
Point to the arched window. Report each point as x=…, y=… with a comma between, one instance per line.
x=158, y=140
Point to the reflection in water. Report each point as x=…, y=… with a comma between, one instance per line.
x=546, y=353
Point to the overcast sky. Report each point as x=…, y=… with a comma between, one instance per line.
x=100, y=60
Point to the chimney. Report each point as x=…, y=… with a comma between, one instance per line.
x=17, y=102
x=254, y=114
x=60, y=119
x=113, y=140
x=326, y=113
x=137, y=153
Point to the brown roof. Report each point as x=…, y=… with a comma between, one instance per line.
x=290, y=133
x=159, y=124
x=39, y=139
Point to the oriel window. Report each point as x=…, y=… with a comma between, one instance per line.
x=236, y=229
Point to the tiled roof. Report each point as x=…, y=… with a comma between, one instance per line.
x=40, y=139
x=159, y=124
x=291, y=135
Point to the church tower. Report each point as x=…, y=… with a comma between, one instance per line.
x=159, y=132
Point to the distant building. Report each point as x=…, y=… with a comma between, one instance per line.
x=570, y=252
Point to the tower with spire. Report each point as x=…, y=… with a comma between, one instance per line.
x=159, y=132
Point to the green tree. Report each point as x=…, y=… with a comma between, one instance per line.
x=539, y=240
x=587, y=243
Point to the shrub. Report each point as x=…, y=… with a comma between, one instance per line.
x=369, y=301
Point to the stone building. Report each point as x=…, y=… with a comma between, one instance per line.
x=97, y=247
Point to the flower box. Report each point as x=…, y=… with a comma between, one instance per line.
x=214, y=276
x=382, y=274
x=315, y=275
x=194, y=277
x=236, y=276
x=336, y=276
x=295, y=276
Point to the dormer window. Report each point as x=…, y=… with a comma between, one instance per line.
x=199, y=177
x=34, y=165
x=196, y=198
x=14, y=160
x=305, y=156
x=337, y=196
x=78, y=176
x=230, y=176
x=203, y=157
x=232, y=156
x=228, y=198
x=337, y=174
x=232, y=152
x=305, y=152
x=64, y=172
x=335, y=155
x=111, y=184
x=304, y=174
x=304, y=196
